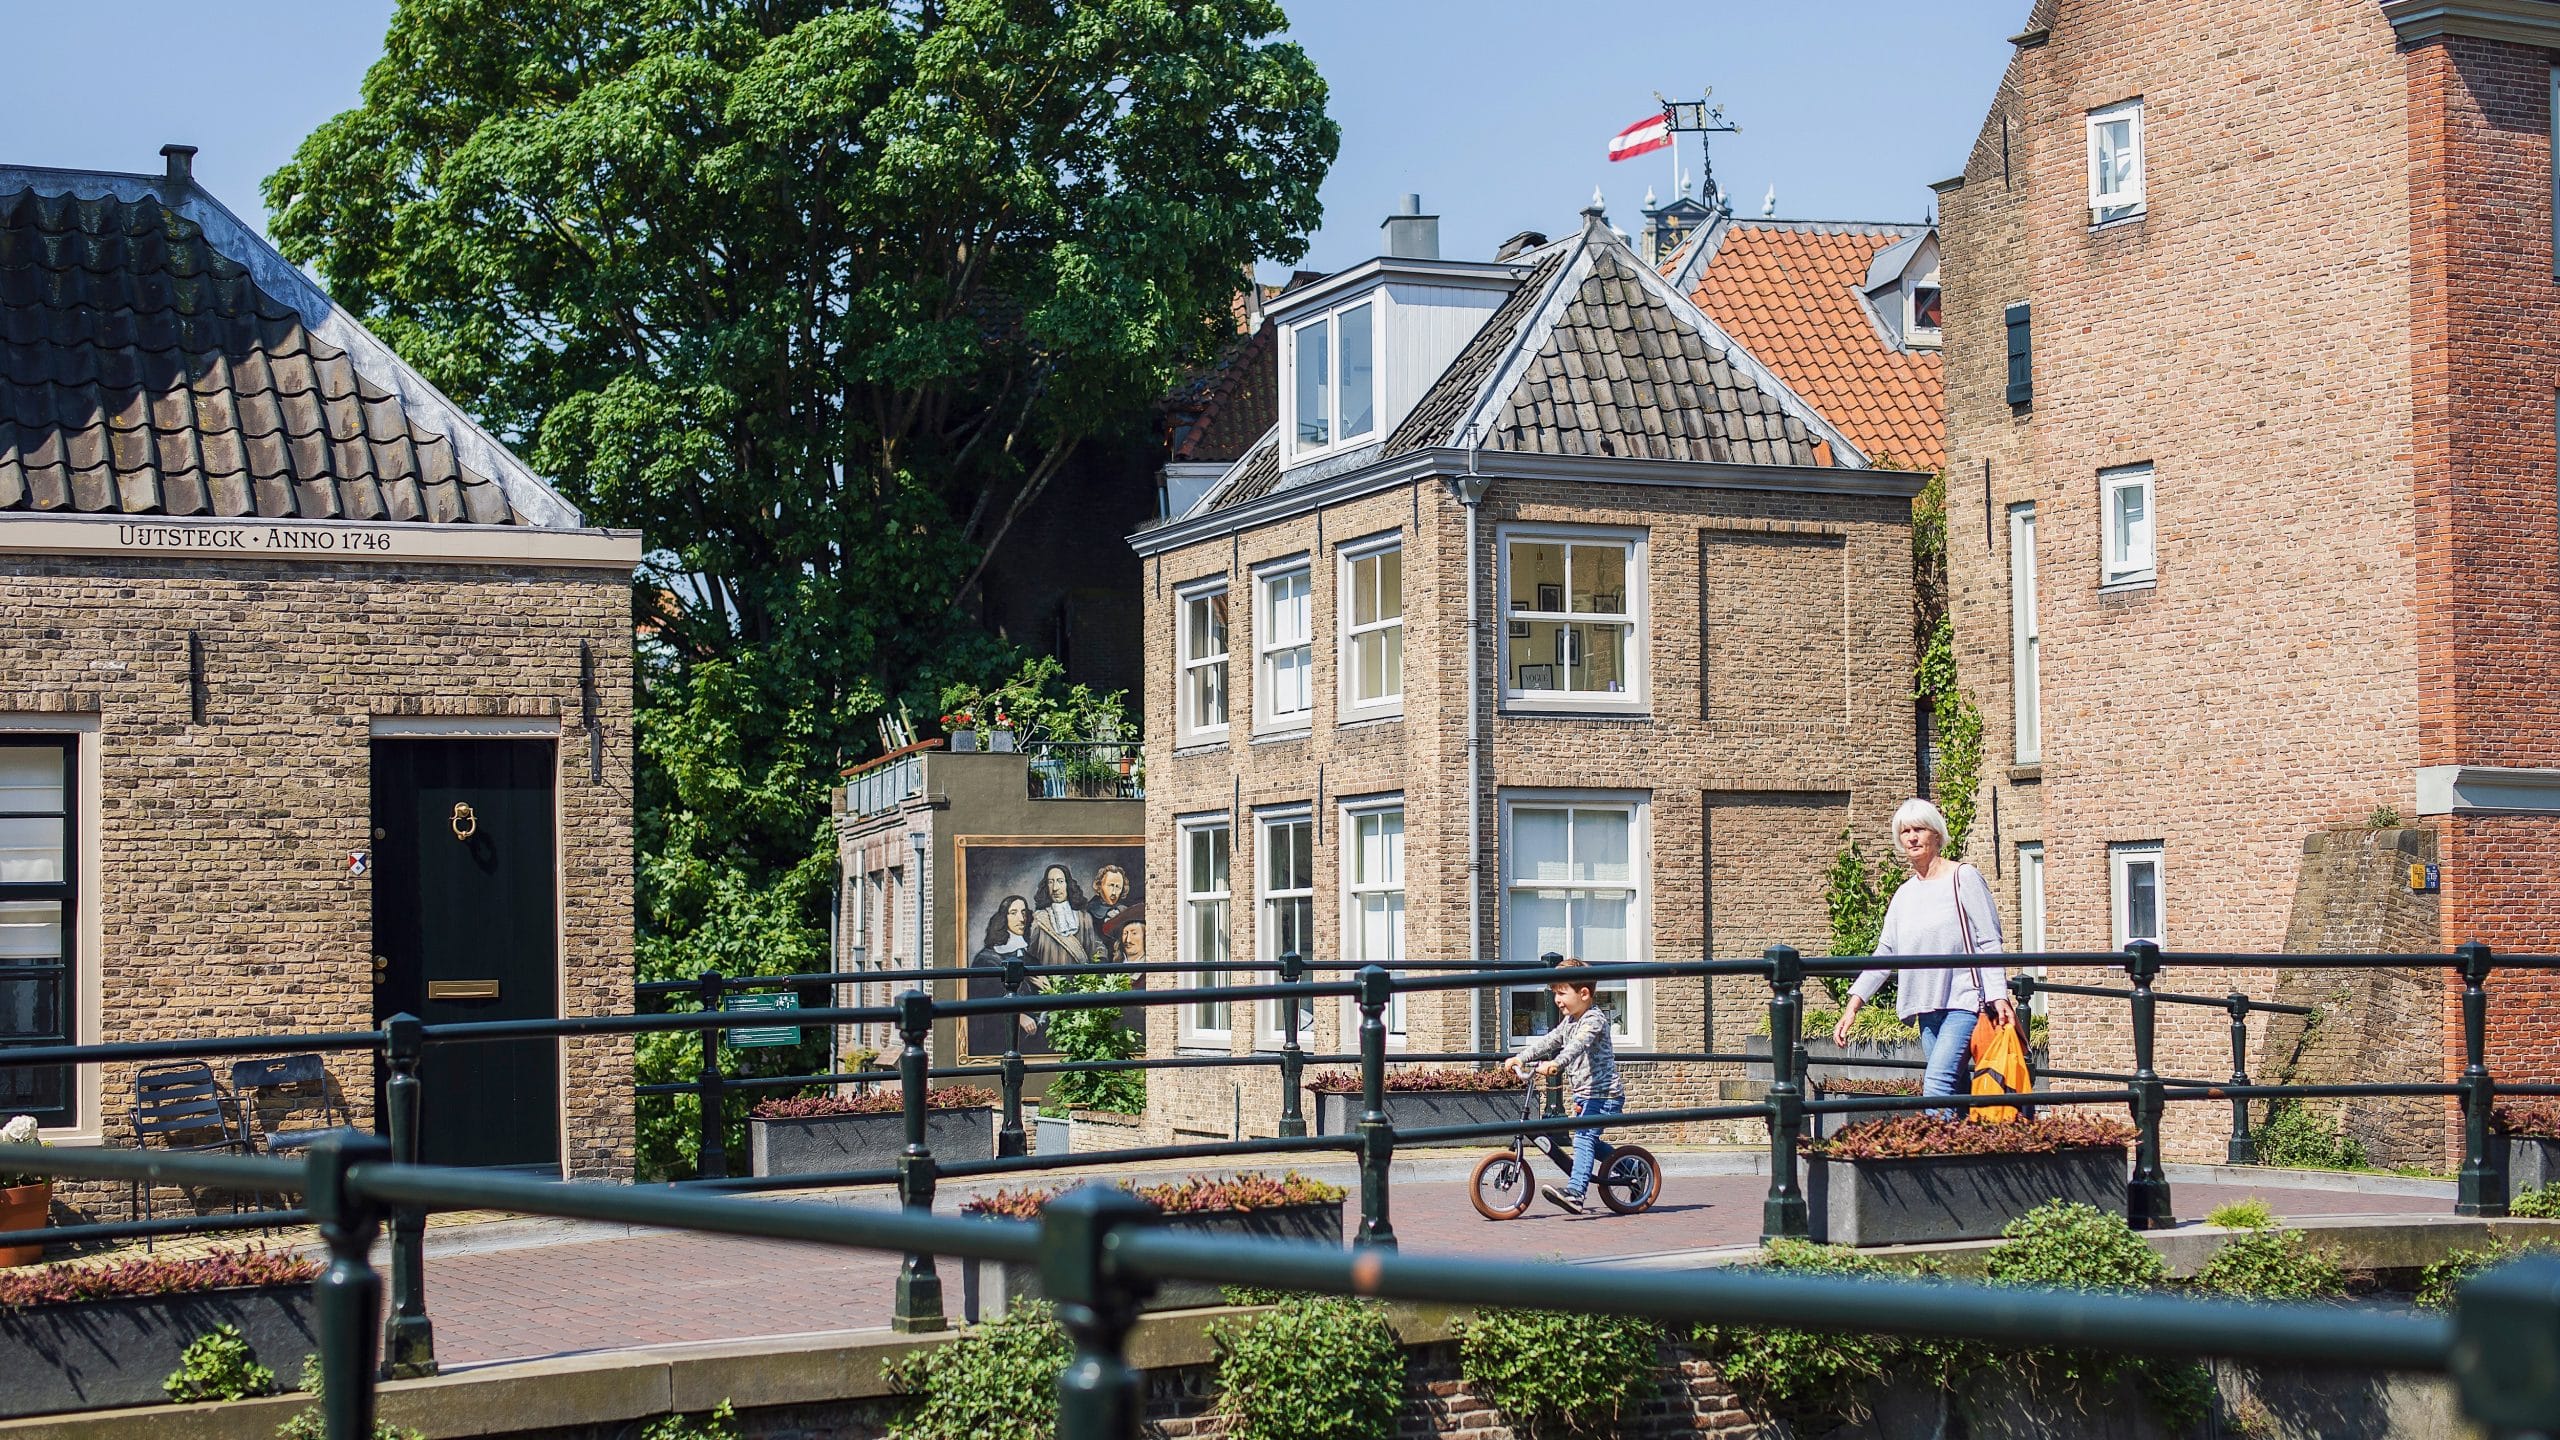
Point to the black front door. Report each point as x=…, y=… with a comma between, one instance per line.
x=466, y=927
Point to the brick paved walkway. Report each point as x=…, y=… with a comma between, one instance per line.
x=611, y=1294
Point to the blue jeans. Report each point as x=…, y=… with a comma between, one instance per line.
x=1590, y=1151
x=1946, y=1037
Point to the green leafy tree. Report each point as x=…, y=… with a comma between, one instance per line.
x=819, y=296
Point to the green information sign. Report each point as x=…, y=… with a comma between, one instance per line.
x=764, y=1037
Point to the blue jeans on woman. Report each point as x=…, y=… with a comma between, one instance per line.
x=1946, y=1037
x=1590, y=1152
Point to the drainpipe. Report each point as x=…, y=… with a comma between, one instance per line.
x=1470, y=490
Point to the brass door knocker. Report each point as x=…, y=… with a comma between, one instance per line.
x=465, y=824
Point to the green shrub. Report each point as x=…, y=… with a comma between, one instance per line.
x=1095, y=1034
x=1803, y=1375
x=2295, y=1138
x=1316, y=1368
x=2438, y=1282
x=2267, y=1264
x=720, y=1424
x=2070, y=1246
x=308, y=1423
x=219, y=1365
x=2250, y=1214
x=998, y=1381
x=1555, y=1374
x=1252, y=1295
x=2542, y=1202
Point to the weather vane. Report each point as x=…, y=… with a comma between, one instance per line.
x=1697, y=117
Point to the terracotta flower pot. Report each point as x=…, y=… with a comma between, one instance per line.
x=24, y=1207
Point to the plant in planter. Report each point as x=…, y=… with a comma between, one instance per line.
x=2530, y=1131
x=2062, y=1245
x=1419, y=1096
x=1315, y=1368
x=1919, y=1178
x=1804, y=1376
x=75, y=1337
x=821, y=1134
x=1556, y=1374
x=26, y=1199
x=1850, y=1088
x=997, y=1381
x=219, y=1365
x=1246, y=1204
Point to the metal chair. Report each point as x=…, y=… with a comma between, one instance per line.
x=180, y=1106
x=294, y=1090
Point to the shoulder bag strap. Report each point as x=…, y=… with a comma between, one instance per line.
x=1964, y=923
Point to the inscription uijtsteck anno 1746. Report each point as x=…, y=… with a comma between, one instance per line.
x=300, y=538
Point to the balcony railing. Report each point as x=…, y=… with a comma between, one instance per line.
x=1086, y=769
x=876, y=788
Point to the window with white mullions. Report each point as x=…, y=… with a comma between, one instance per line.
x=2115, y=162
x=1333, y=388
x=1373, y=628
x=1203, y=637
x=1571, y=621
x=1207, y=931
x=2134, y=876
x=1572, y=886
x=2025, y=647
x=2031, y=911
x=1286, y=861
x=2131, y=526
x=1284, y=681
x=38, y=899
x=1373, y=900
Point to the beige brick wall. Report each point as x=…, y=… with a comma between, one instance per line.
x=1778, y=671
x=224, y=905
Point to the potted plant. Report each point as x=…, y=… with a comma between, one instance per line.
x=2531, y=1135
x=823, y=1134
x=104, y=1336
x=1832, y=1123
x=1248, y=1203
x=1918, y=1178
x=25, y=1200
x=1418, y=1098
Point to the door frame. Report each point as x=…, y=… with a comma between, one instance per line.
x=513, y=727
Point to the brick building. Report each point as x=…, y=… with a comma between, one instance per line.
x=2250, y=358
x=314, y=701
x=1546, y=617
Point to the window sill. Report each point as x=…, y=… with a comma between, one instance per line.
x=2118, y=222
x=1351, y=721
x=1591, y=709
x=1279, y=737
x=1193, y=745
x=2026, y=774
x=2148, y=580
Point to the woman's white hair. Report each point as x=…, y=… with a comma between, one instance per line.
x=1916, y=811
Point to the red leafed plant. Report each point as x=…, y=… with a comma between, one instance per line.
x=1919, y=1134
x=1443, y=1078
x=219, y=1270
x=876, y=1102
x=1870, y=1087
x=2526, y=1121
x=1248, y=1190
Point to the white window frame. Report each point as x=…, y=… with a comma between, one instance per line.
x=1192, y=1030
x=1915, y=334
x=1267, y=650
x=2121, y=861
x=2031, y=932
x=85, y=933
x=1349, y=630
x=2130, y=203
x=1636, y=698
x=2026, y=673
x=1297, y=449
x=1189, y=726
x=2123, y=564
x=1266, y=933
x=1635, y=1017
x=1355, y=891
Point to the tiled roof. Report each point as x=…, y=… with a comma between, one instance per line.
x=1623, y=373
x=1223, y=410
x=1789, y=291
x=145, y=369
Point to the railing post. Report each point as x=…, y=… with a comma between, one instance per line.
x=2147, y=1194
x=2482, y=1187
x=919, y=1299
x=1098, y=1392
x=1293, y=1061
x=2022, y=989
x=713, y=1155
x=1377, y=1137
x=1009, y=1133
x=2244, y=1150
x=408, y=1337
x=1783, y=1214
x=347, y=1296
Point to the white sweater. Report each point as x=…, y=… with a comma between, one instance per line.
x=1922, y=921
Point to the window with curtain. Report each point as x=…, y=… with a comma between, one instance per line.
x=1284, y=685
x=1571, y=887
x=1373, y=628
x=39, y=874
x=1287, y=922
x=1204, y=661
x=1373, y=897
x=1206, y=924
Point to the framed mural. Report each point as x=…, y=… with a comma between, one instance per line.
x=1065, y=900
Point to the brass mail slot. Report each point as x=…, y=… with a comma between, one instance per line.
x=462, y=989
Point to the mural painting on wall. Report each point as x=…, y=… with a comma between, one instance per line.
x=1071, y=901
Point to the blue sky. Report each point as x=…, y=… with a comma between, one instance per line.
x=1498, y=112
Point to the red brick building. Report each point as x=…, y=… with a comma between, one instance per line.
x=2250, y=435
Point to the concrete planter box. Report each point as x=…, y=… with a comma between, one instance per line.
x=989, y=1287
x=103, y=1354
x=1416, y=1109
x=829, y=1143
x=1923, y=1199
x=1051, y=1134
x=2531, y=1162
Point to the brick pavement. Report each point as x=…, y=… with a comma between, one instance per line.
x=610, y=1294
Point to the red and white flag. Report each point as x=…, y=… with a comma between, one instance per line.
x=1642, y=138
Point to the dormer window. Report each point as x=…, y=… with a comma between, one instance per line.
x=1920, y=325
x=1333, y=390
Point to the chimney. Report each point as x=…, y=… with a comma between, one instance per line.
x=1410, y=234
x=182, y=163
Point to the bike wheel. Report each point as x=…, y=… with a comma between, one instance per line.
x=1501, y=1187
x=1632, y=1182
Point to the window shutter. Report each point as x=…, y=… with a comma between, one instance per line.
x=2021, y=356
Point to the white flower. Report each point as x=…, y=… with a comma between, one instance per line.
x=20, y=1130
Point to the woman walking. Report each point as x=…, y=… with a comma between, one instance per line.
x=1945, y=908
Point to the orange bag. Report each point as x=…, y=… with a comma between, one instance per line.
x=1999, y=1068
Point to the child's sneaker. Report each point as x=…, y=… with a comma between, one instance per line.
x=1565, y=1200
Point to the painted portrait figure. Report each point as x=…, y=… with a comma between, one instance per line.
x=1021, y=897
x=1062, y=930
